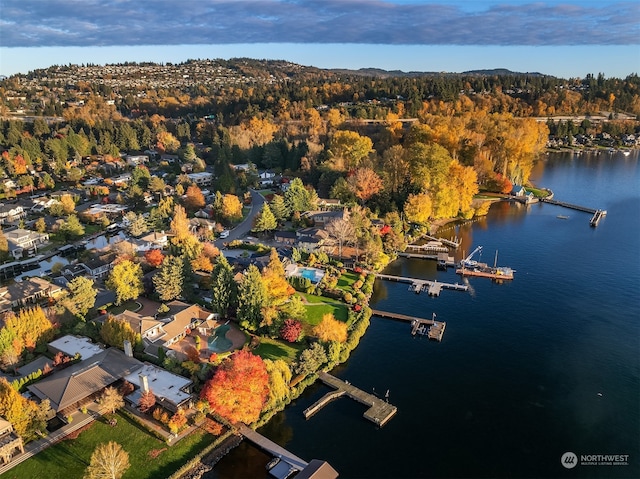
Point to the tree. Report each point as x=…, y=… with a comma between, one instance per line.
x=111, y=400
x=116, y=331
x=231, y=208
x=279, y=208
x=291, y=330
x=265, y=221
x=417, y=208
x=72, y=228
x=252, y=297
x=126, y=280
x=342, y=230
x=223, y=287
x=170, y=279
x=279, y=379
x=154, y=257
x=82, y=295
x=108, y=461
x=348, y=149
x=298, y=198
x=311, y=360
x=137, y=224
x=28, y=328
x=23, y=414
x=147, y=401
x=4, y=247
x=331, y=329
x=194, y=199
x=40, y=225
x=364, y=183
x=239, y=388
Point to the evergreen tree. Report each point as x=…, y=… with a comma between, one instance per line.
x=169, y=280
x=82, y=295
x=252, y=297
x=224, y=287
x=279, y=208
x=265, y=221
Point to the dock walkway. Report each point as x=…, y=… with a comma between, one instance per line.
x=418, y=325
x=442, y=258
x=452, y=244
x=271, y=447
x=433, y=288
x=597, y=213
x=379, y=411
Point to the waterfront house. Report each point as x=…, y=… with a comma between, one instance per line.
x=29, y=291
x=171, y=391
x=20, y=240
x=98, y=266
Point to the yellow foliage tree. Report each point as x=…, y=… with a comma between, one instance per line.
x=417, y=208
x=330, y=329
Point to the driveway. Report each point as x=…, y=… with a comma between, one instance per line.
x=257, y=200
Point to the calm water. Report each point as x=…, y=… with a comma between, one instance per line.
x=527, y=370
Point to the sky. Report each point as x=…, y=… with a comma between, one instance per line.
x=565, y=38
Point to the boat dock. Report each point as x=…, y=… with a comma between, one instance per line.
x=443, y=259
x=433, y=288
x=431, y=246
x=426, y=327
x=379, y=412
x=597, y=213
x=454, y=243
x=272, y=448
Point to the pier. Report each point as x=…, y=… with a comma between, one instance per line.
x=272, y=448
x=455, y=244
x=426, y=327
x=443, y=259
x=433, y=288
x=431, y=246
x=597, y=213
x=597, y=216
x=379, y=411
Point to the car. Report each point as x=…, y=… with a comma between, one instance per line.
x=224, y=234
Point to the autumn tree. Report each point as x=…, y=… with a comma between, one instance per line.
x=26, y=329
x=277, y=288
x=147, y=401
x=279, y=379
x=23, y=414
x=266, y=220
x=223, y=287
x=342, y=230
x=125, y=280
x=364, y=183
x=108, y=461
x=194, y=198
x=331, y=329
x=417, y=208
x=239, y=388
x=291, y=330
x=231, y=208
x=154, y=257
x=111, y=400
x=347, y=149
x=169, y=280
x=116, y=331
x=82, y=295
x=4, y=247
x=136, y=224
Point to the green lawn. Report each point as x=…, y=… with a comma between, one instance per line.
x=69, y=459
x=346, y=280
x=316, y=311
x=277, y=349
x=127, y=305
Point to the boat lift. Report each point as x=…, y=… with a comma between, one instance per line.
x=468, y=262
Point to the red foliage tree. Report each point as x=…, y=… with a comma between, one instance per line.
x=239, y=388
x=192, y=354
x=291, y=330
x=126, y=388
x=154, y=257
x=147, y=401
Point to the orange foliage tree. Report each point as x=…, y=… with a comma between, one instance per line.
x=331, y=329
x=239, y=388
x=154, y=257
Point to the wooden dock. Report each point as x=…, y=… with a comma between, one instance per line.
x=597, y=216
x=379, y=411
x=272, y=448
x=433, y=288
x=441, y=258
x=427, y=327
x=569, y=205
x=451, y=243
x=431, y=246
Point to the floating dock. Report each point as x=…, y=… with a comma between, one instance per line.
x=271, y=447
x=426, y=327
x=418, y=285
x=379, y=411
x=498, y=274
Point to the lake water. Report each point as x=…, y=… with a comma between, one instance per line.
x=527, y=370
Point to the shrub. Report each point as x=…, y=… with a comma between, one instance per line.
x=291, y=330
x=348, y=297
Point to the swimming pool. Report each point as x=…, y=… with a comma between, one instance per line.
x=312, y=274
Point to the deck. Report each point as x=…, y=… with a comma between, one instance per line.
x=433, y=288
x=426, y=327
x=379, y=411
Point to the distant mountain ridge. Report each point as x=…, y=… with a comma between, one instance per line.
x=381, y=73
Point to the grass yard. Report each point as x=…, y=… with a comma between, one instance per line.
x=69, y=459
x=278, y=349
x=346, y=280
x=127, y=305
x=316, y=311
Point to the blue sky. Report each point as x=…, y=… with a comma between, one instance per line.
x=567, y=38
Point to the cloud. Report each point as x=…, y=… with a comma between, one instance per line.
x=169, y=22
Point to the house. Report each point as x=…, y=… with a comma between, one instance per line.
x=73, y=345
x=21, y=239
x=28, y=291
x=169, y=158
x=154, y=240
x=285, y=237
x=10, y=442
x=203, y=178
x=98, y=266
x=242, y=167
x=172, y=392
x=266, y=177
x=312, y=239
x=518, y=191
x=135, y=160
x=10, y=213
x=201, y=227
x=329, y=203
x=321, y=218
x=84, y=381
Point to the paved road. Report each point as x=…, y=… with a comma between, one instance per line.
x=257, y=200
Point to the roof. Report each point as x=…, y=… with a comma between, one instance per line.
x=318, y=469
x=140, y=324
x=164, y=384
x=67, y=387
x=70, y=345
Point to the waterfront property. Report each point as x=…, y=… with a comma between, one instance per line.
x=314, y=275
x=433, y=288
